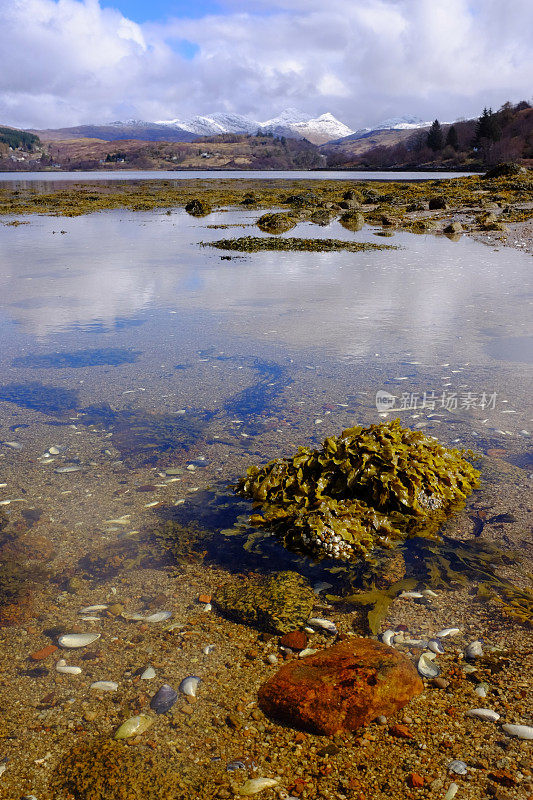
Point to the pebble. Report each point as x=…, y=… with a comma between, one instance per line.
x=104, y=686
x=63, y=470
x=453, y=788
x=189, y=685
x=43, y=653
x=323, y=624
x=458, y=767
x=159, y=616
x=272, y=659
x=481, y=689
x=447, y=632
x=148, y=674
x=474, y=650
x=134, y=726
x=92, y=609
x=14, y=445
x=255, y=785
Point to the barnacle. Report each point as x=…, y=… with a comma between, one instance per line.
x=367, y=488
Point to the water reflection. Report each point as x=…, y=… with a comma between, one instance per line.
x=432, y=298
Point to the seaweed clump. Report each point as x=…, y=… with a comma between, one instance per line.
x=276, y=223
x=279, y=602
x=367, y=488
x=253, y=244
x=107, y=770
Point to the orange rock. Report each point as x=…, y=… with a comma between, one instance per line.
x=400, y=731
x=204, y=598
x=342, y=687
x=415, y=781
x=503, y=777
x=44, y=652
x=294, y=640
x=495, y=452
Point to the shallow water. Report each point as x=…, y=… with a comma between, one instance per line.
x=8, y=178
x=141, y=373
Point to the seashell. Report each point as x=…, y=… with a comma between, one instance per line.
x=64, y=668
x=308, y=651
x=520, y=731
x=255, y=785
x=235, y=765
x=426, y=667
x=429, y=593
x=163, y=699
x=159, y=616
x=474, y=649
x=436, y=646
x=133, y=616
x=14, y=445
x=91, y=619
x=483, y=713
x=447, y=632
x=410, y=595
x=208, y=649
x=469, y=669
x=387, y=637
x=92, y=609
x=104, y=686
x=458, y=767
x=207, y=607
x=78, y=639
x=324, y=624
x=63, y=470
x=148, y=674
x=415, y=642
x=453, y=788
x=134, y=726
x=189, y=685
x=3, y=766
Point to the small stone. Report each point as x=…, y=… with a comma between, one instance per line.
x=43, y=653
x=400, y=731
x=441, y=683
x=294, y=640
x=415, y=781
x=90, y=716
x=503, y=777
x=115, y=609
x=204, y=598
x=187, y=709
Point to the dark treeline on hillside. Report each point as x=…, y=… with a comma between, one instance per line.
x=495, y=137
x=19, y=139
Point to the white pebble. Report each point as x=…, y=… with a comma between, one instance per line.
x=65, y=669
x=447, y=632
x=452, y=791
x=104, y=686
x=484, y=713
x=148, y=674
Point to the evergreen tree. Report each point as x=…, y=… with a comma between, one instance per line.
x=435, y=139
x=487, y=128
x=451, y=138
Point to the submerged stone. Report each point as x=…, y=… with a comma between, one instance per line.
x=276, y=223
x=341, y=688
x=279, y=602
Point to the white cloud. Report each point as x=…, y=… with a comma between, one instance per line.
x=70, y=61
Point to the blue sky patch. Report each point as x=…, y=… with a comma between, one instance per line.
x=143, y=11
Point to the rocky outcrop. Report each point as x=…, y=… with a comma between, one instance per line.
x=341, y=688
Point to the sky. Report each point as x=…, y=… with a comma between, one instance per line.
x=70, y=62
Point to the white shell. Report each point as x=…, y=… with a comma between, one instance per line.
x=63, y=470
x=3, y=768
x=148, y=674
x=309, y=651
x=104, y=686
x=474, y=649
x=208, y=649
x=484, y=713
x=452, y=791
x=447, y=632
x=325, y=624
x=387, y=637
x=159, y=616
x=481, y=690
x=92, y=609
x=78, y=639
x=435, y=646
x=254, y=785
x=189, y=685
x=458, y=767
x=410, y=595
x=425, y=666
x=521, y=731
x=64, y=668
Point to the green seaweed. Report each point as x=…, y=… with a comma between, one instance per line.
x=367, y=488
x=276, y=223
x=253, y=244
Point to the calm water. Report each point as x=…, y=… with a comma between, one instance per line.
x=8, y=178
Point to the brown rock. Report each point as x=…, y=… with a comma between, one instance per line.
x=341, y=687
x=400, y=731
x=204, y=598
x=415, y=781
x=43, y=653
x=295, y=640
x=503, y=777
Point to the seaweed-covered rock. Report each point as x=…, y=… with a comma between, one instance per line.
x=322, y=216
x=352, y=221
x=369, y=487
x=276, y=223
x=279, y=602
x=508, y=170
x=103, y=769
x=454, y=227
x=303, y=200
x=437, y=203
x=198, y=208
x=341, y=688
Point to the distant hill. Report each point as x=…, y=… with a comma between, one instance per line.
x=142, y=131
x=474, y=144
x=19, y=140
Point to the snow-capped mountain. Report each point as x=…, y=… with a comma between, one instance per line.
x=401, y=123
x=290, y=123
